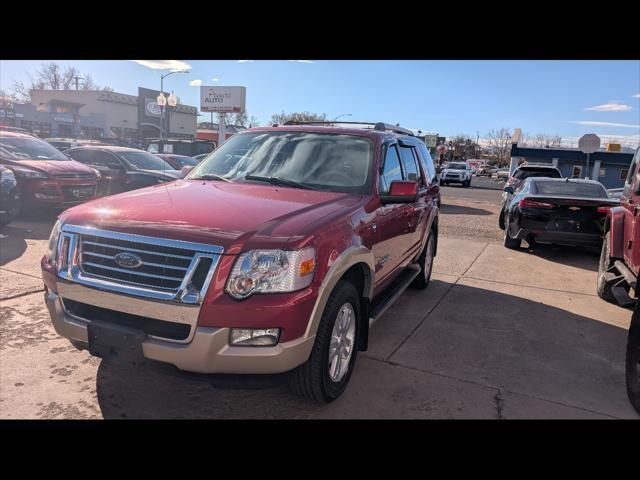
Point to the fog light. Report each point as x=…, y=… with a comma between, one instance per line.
x=254, y=337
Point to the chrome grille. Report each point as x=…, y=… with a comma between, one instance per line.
x=162, y=267
x=165, y=269
x=75, y=176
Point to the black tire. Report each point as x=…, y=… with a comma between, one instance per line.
x=633, y=360
x=512, y=243
x=311, y=380
x=422, y=280
x=501, y=219
x=603, y=289
x=467, y=183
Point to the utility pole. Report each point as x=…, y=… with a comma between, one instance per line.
x=76, y=78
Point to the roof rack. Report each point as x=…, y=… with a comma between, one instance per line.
x=380, y=126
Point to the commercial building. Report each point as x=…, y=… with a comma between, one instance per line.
x=101, y=114
x=609, y=168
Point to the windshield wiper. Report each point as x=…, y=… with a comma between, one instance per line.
x=211, y=176
x=283, y=182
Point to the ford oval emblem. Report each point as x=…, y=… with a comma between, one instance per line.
x=128, y=260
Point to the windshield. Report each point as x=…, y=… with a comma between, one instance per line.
x=457, y=166
x=145, y=160
x=334, y=162
x=28, y=148
x=571, y=189
x=523, y=173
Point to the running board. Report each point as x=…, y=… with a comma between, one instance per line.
x=626, y=273
x=392, y=292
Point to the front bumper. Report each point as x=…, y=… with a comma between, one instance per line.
x=207, y=351
x=62, y=193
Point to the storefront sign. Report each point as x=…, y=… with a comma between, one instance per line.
x=223, y=99
x=152, y=108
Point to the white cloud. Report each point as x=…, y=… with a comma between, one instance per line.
x=244, y=61
x=606, y=124
x=302, y=61
x=610, y=107
x=637, y=95
x=164, y=64
x=215, y=79
x=195, y=83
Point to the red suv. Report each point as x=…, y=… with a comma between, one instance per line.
x=45, y=175
x=275, y=254
x=620, y=267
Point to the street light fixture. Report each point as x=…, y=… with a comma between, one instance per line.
x=162, y=100
x=342, y=115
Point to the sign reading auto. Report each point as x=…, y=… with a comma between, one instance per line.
x=223, y=99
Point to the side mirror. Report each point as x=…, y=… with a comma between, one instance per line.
x=185, y=170
x=401, y=191
x=508, y=190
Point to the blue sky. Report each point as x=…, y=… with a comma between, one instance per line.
x=445, y=97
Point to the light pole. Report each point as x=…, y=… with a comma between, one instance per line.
x=162, y=100
x=342, y=115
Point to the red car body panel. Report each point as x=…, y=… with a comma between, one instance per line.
x=616, y=226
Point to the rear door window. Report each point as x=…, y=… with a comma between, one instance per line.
x=391, y=170
x=410, y=165
x=427, y=162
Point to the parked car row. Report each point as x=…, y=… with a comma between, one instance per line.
x=540, y=206
x=50, y=173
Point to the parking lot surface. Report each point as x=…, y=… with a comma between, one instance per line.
x=499, y=334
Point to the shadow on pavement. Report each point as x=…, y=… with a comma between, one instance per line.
x=31, y=226
x=462, y=210
x=489, y=338
x=585, y=258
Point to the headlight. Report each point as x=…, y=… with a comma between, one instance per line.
x=271, y=271
x=7, y=176
x=28, y=173
x=53, y=243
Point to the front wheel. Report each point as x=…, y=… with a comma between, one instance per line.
x=603, y=288
x=633, y=360
x=325, y=375
x=426, y=264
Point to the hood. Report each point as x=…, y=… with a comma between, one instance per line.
x=53, y=167
x=234, y=216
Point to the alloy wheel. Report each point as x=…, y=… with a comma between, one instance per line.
x=342, y=342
